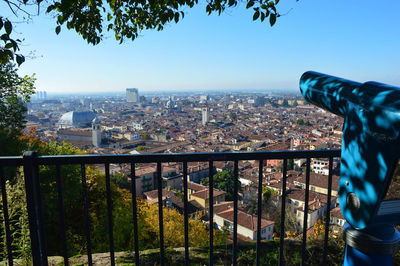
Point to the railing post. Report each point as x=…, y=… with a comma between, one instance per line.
x=34, y=206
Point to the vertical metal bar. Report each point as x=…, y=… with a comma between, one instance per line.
x=328, y=211
x=62, y=214
x=235, y=211
x=305, y=225
x=211, y=209
x=86, y=213
x=185, y=212
x=283, y=212
x=259, y=209
x=5, y=212
x=109, y=212
x=160, y=213
x=34, y=206
x=135, y=224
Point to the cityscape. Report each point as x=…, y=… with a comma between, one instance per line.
x=141, y=124
x=199, y=132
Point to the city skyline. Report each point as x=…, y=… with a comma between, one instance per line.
x=230, y=52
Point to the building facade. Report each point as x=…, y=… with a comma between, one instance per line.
x=132, y=95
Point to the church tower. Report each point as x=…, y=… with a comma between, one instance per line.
x=96, y=132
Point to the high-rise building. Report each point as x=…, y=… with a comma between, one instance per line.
x=204, y=116
x=259, y=101
x=132, y=95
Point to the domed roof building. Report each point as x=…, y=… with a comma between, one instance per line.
x=77, y=119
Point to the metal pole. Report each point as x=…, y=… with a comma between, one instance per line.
x=374, y=246
x=34, y=206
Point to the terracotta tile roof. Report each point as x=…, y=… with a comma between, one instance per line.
x=319, y=180
x=337, y=213
x=223, y=206
x=205, y=194
x=177, y=202
x=195, y=186
x=153, y=194
x=245, y=219
x=299, y=194
x=146, y=170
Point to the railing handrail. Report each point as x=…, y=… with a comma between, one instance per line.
x=31, y=163
x=171, y=157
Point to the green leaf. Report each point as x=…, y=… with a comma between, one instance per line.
x=272, y=19
x=208, y=9
x=256, y=15
x=1, y=23
x=276, y=2
x=249, y=4
x=176, y=17
x=20, y=59
x=50, y=8
x=8, y=45
x=8, y=27
x=58, y=29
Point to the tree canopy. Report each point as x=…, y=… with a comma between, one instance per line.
x=224, y=181
x=15, y=92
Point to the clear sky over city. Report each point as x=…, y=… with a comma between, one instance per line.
x=354, y=39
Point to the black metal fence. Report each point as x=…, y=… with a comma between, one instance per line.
x=31, y=162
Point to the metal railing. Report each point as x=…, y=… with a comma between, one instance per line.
x=31, y=162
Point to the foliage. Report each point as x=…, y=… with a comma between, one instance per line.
x=19, y=226
x=128, y=18
x=141, y=148
x=232, y=116
x=285, y=103
x=146, y=136
x=290, y=221
x=302, y=122
x=267, y=193
x=8, y=51
x=319, y=228
x=120, y=180
x=224, y=181
x=15, y=92
x=174, y=229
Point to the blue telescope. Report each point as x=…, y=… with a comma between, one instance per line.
x=370, y=151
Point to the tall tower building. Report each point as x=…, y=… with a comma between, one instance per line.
x=132, y=95
x=96, y=132
x=204, y=116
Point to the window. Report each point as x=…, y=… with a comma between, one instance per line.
x=269, y=228
x=228, y=224
x=264, y=231
x=269, y=237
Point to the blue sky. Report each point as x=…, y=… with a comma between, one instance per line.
x=354, y=39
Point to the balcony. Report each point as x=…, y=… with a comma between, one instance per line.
x=31, y=165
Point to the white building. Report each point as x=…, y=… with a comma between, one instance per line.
x=320, y=166
x=204, y=116
x=246, y=225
